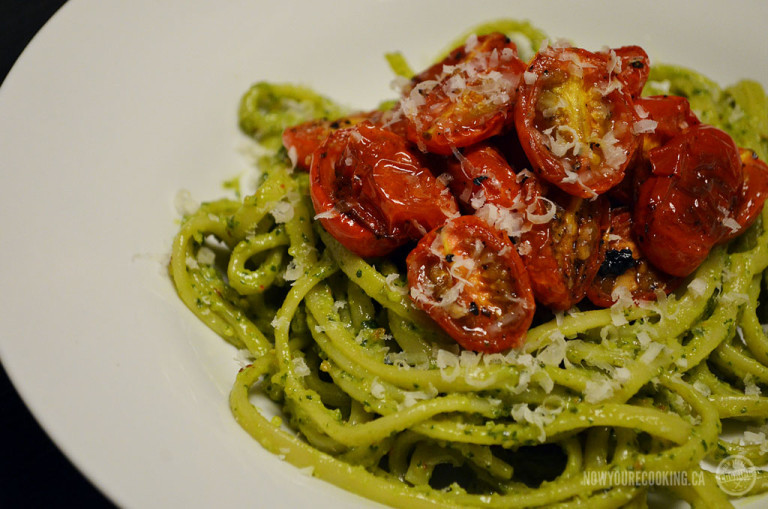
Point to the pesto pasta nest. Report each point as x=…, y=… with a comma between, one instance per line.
x=380, y=400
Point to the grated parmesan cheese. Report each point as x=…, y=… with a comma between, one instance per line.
x=471, y=43
x=300, y=367
x=614, y=62
x=622, y=298
x=542, y=416
x=702, y=388
x=184, y=203
x=545, y=381
x=206, y=256
x=278, y=322
x=740, y=333
x=558, y=144
x=597, y=391
x=478, y=199
x=377, y=389
x=756, y=437
x=643, y=338
x=650, y=354
x=507, y=220
x=750, y=387
x=663, y=86
x=698, y=286
x=391, y=281
x=469, y=359
x=191, y=263
x=446, y=360
x=614, y=155
x=478, y=378
x=541, y=218
x=529, y=77
x=731, y=223
x=411, y=398
x=328, y=214
x=555, y=352
x=494, y=358
x=282, y=211
x=293, y=156
x=308, y=471
x=293, y=271
x=399, y=84
x=644, y=126
x=243, y=357
x=622, y=374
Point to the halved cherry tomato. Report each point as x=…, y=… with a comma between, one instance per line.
x=468, y=277
x=695, y=183
x=563, y=255
x=631, y=67
x=303, y=139
x=624, y=266
x=575, y=121
x=482, y=175
x=754, y=191
x=373, y=193
x=466, y=98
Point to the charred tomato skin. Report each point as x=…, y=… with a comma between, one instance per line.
x=373, y=192
x=695, y=181
x=625, y=266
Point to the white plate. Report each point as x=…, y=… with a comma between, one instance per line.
x=114, y=107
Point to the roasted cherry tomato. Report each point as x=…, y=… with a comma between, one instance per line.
x=303, y=140
x=624, y=267
x=562, y=254
x=754, y=191
x=466, y=98
x=561, y=241
x=661, y=118
x=695, y=182
x=671, y=115
x=575, y=121
x=623, y=193
x=373, y=193
x=481, y=175
x=631, y=66
x=468, y=277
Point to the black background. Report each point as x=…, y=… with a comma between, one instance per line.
x=33, y=472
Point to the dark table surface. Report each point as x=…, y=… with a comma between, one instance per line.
x=34, y=472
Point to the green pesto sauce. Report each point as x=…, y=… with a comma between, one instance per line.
x=266, y=109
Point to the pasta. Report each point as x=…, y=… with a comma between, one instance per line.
x=382, y=403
